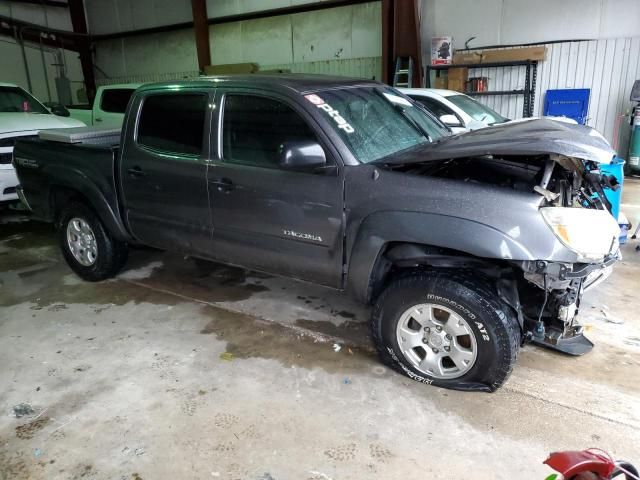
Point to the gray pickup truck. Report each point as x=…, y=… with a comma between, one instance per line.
x=467, y=245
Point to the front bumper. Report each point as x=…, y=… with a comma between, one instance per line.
x=552, y=312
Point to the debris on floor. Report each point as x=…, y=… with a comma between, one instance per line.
x=610, y=318
x=336, y=347
x=22, y=410
x=228, y=356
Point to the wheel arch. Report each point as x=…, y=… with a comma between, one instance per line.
x=413, y=240
x=61, y=193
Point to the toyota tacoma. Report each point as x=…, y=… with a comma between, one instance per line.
x=466, y=245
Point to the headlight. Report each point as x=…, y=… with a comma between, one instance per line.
x=592, y=234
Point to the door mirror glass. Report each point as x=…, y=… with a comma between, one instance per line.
x=302, y=155
x=59, y=110
x=450, y=120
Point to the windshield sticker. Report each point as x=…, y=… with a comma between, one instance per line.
x=333, y=113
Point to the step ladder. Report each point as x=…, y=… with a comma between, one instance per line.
x=403, y=76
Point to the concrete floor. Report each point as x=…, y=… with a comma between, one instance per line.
x=178, y=370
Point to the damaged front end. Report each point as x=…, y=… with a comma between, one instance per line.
x=560, y=165
x=550, y=294
x=577, y=211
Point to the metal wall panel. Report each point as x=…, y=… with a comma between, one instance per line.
x=608, y=67
x=369, y=67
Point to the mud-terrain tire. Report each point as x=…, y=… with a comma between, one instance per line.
x=421, y=314
x=87, y=246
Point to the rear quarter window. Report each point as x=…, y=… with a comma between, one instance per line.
x=115, y=100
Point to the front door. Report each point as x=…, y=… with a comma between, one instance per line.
x=163, y=171
x=264, y=217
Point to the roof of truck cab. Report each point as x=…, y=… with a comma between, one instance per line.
x=300, y=83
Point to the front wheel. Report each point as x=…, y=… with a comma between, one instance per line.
x=447, y=330
x=89, y=249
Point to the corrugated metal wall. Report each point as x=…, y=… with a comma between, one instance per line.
x=368, y=67
x=608, y=67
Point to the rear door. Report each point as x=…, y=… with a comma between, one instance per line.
x=163, y=170
x=109, y=109
x=264, y=217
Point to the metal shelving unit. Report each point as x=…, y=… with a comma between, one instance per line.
x=529, y=90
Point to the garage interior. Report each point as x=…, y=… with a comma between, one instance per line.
x=183, y=368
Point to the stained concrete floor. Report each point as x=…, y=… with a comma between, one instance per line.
x=184, y=370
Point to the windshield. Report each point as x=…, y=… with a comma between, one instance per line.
x=15, y=99
x=476, y=110
x=375, y=122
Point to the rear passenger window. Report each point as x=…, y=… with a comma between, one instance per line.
x=254, y=129
x=115, y=100
x=173, y=123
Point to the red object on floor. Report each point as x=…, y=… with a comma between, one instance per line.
x=570, y=464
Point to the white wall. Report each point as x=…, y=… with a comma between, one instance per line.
x=343, y=40
x=607, y=65
x=525, y=21
x=12, y=67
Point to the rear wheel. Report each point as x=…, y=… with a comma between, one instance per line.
x=89, y=249
x=447, y=330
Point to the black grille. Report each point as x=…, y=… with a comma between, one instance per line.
x=5, y=158
x=11, y=141
x=9, y=190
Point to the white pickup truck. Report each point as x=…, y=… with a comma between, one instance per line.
x=108, y=107
x=21, y=115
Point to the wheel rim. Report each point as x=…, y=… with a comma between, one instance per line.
x=82, y=242
x=436, y=341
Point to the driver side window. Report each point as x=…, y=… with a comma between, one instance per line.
x=254, y=128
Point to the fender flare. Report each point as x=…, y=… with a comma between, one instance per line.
x=381, y=228
x=75, y=180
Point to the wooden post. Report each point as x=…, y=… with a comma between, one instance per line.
x=201, y=29
x=79, y=24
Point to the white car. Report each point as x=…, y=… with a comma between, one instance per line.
x=458, y=111
x=108, y=107
x=21, y=115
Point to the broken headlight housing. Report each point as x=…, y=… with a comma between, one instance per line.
x=591, y=234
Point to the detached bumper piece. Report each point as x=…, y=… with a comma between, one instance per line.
x=576, y=345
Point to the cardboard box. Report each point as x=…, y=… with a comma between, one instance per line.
x=441, y=50
x=457, y=79
x=501, y=55
x=440, y=82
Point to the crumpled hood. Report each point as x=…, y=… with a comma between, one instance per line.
x=13, y=122
x=538, y=136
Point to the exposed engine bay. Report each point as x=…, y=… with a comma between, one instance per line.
x=562, y=181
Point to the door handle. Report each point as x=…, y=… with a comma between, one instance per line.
x=223, y=184
x=97, y=119
x=136, y=172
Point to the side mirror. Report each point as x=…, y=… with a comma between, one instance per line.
x=302, y=156
x=60, y=110
x=450, y=120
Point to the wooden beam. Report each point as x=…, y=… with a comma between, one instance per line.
x=79, y=24
x=201, y=29
x=34, y=33
x=46, y=3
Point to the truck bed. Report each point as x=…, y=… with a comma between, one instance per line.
x=74, y=160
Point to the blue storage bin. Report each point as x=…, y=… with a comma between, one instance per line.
x=615, y=168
